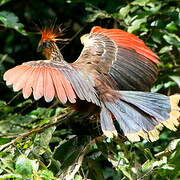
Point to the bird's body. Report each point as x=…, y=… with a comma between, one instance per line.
x=110, y=74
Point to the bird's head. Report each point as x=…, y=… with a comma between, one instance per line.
x=47, y=43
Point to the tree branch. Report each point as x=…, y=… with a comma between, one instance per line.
x=60, y=119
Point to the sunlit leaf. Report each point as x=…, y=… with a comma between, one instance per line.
x=24, y=166
x=2, y=103
x=78, y=177
x=172, y=39
x=169, y=84
x=136, y=24
x=165, y=49
x=166, y=166
x=171, y=26
x=46, y=175
x=124, y=11
x=176, y=79
x=97, y=14
x=140, y=2
x=10, y=20
x=4, y=1
x=8, y=176
x=154, y=163
x=43, y=112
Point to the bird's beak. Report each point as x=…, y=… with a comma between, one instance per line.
x=40, y=48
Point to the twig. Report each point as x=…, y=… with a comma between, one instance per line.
x=169, y=150
x=169, y=68
x=62, y=118
x=75, y=168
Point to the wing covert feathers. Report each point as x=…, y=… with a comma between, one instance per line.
x=48, y=79
x=120, y=56
x=127, y=40
x=131, y=73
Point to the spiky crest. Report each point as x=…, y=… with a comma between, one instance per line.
x=51, y=34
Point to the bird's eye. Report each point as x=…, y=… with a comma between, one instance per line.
x=46, y=44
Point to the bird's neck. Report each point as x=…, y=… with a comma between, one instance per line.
x=53, y=53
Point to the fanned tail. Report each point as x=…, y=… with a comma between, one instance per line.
x=140, y=114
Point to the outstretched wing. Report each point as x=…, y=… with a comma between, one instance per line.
x=120, y=55
x=49, y=78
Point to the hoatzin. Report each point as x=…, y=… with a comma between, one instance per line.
x=114, y=72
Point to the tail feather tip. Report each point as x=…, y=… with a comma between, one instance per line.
x=110, y=134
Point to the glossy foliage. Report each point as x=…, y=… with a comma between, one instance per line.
x=31, y=148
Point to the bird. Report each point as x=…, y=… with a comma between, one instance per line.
x=113, y=73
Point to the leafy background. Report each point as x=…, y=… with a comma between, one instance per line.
x=37, y=139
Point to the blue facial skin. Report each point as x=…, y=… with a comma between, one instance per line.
x=42, y=46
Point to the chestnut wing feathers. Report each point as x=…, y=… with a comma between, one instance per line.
x=130, y=69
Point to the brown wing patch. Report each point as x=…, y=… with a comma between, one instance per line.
x=130, y=72
x=130, y=69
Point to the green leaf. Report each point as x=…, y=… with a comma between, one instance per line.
x=24, y=166
x=176, y=79
x=124, y=11
x=140, y=2
x=136, y=24
x=97, y=14
x=6, y=159
x=68, y=151
x=172, y=39
x=42, y=140
x=4, y=140
x=8, y=176
x=171, y=26
x=10, y=20
x=78, y=177
x=46, y=175
x=42, y=112
x=154, y=163
x=157, y=37
x=3, y=2
x=169, y=84
x=24, y=103
x=156, y=88
x=2, y=103
x=166, y=166
x=165, y=49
